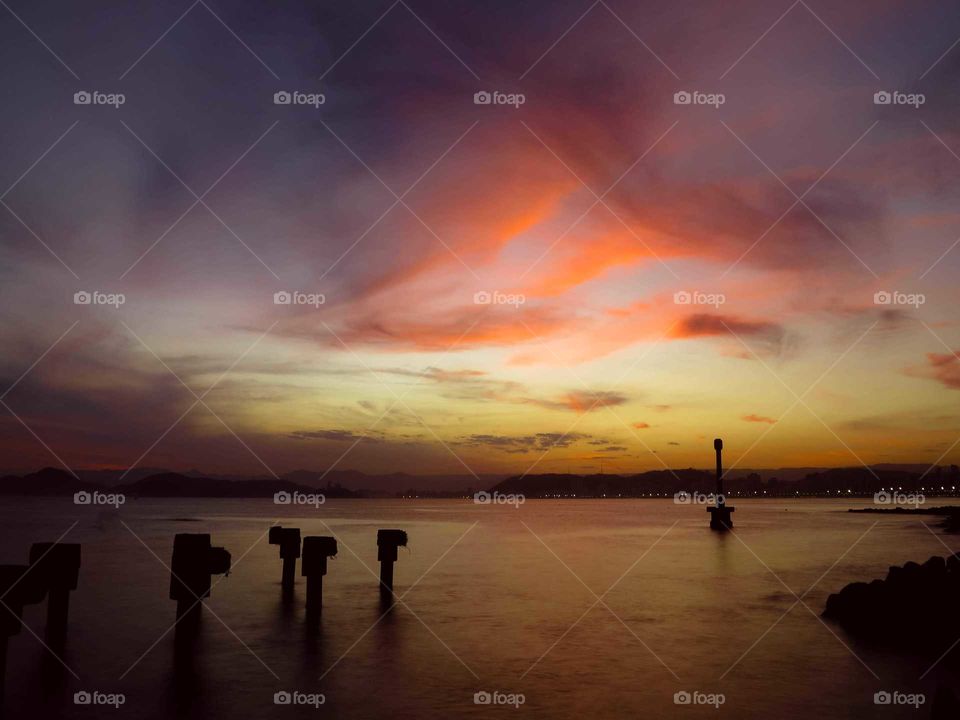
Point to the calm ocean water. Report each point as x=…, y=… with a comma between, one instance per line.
x=502, y=602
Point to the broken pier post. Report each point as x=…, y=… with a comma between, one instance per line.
x=57, y=566
x=194, y=562
x=316, y=550
x=387, y=543
x=18, y=587
x=289, y=541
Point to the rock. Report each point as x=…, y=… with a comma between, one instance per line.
x=913, y=607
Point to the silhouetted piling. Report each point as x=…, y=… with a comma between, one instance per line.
x=18, y=587
x=720, y=513
x=289, y=541
x=316, y=550
x=387, y=543
x=194, y=562
x=57, y=566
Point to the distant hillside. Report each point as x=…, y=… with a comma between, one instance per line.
x=51, y=481
x=656, y=482
x=48, y=481
x=854, y=481
x=394, y=483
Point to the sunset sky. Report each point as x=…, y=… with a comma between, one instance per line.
x=583, y=212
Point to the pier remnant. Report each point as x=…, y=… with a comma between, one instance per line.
x=57, y=566
x=194, y=562
x=720, y=513
x=18, y=587
x=387, y=543
x=316, y=550
x=289, y=541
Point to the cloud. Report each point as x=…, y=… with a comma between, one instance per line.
x=641, y=425
x=942, y=367
x=705, y=325
x=335, y=435
x=581, y=401
x=524, y=443
x=758, y=419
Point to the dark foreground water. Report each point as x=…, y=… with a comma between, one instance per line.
x=503, y=600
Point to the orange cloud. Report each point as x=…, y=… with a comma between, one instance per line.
x=945, y=369
x=758, y=419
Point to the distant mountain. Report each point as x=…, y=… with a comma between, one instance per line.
x=51, y=481
x=352, y=483
x=393, y=483
x=858, y=481
x=656, y=482
x=177, y=485
x=48, y=481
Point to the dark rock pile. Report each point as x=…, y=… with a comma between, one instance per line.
x=916, y=606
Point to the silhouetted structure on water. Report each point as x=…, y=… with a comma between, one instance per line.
x=58, y=567
x=289, y=541
x=387, y=543
x=720, y=513
x=194, y=562
x=52, y=573
x=316, y=551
